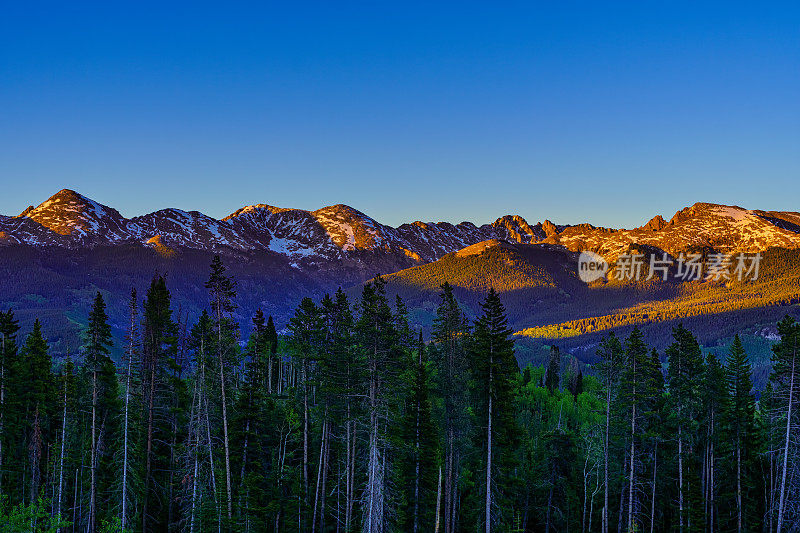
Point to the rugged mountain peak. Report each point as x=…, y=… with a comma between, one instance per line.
x=258, y=209
x=518, y=230
x=349, y=228
x=656, y=223
x=549, y=228
x=72, y=214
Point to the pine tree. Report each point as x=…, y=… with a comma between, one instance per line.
x=249, y=425
x=342, y=380
x=419, y=446
x=494, y=370
x=204, y=493
x=221, y=289
x=786, y=385
x=450, y=331
x=685, y=366
x=740, y=420
x=9, y=327
x=68, y=400
x=36, y=392
x=609, y=369
x=633, y=396
x=104, y=395
x=551, y=379
x=271, y=338
x=715, y=400
x=159, y=348
x=378, y=340
x=131, y=366
x=306, y=330
x=654, y=428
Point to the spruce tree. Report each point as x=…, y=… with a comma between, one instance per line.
x=685, y=403
x=552, y=377
x=494, y=370
x=785, y=379
x=378, y=341
x=740, y=421
x=633, y=397
x=450, y=331
x=609, y=368
x=159, y=348
x=9, y=327
x=715, y=400
x=36, y=393
x=103, y=401
x=306, y=329
x=419, y=448
x=222, y=290
x=271, y=338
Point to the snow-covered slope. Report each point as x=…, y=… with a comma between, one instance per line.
x=726, y=229
x=342, y=233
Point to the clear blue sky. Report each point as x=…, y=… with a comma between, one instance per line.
x=597, y=111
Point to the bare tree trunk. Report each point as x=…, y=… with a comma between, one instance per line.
x=782, y=500
x=123, y=513
x=622, y=494
x=348, y=503
x=211, y=466
x=305, y=433
x=653, y=498
x=63, y=450
x=448, y=483
x=438, y=501
x=549, y=502
x=323, y=492
x=93, y=490
x=680, y=476
x=416, y=469
x=489, y=461
x=711, y=492
x=319, y=476
x=631, y=477
x=148, y=460
x=585, y=491
x=225, y=426
x=74, y=500
x=269, y=374
x=738, y=486
x=196, y=446
x=605, y=459
x=374, y=496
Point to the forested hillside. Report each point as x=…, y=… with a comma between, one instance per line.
x=352, y=421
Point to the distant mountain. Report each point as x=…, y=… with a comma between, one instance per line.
x=55, y=255
x=548, y=304
x=71, y=220
x=701, y=226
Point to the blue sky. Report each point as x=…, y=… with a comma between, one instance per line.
x=603, y=112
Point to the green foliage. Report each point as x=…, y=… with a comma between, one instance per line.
x=351, y=417
x=32, y=518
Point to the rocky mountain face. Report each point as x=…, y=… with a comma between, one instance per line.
x=339, y=232
x=55, y=256
x=71, y=220
x=721, y=228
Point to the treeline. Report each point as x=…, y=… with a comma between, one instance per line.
x=352, y=422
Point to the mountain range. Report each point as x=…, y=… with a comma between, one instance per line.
x=55, y=255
